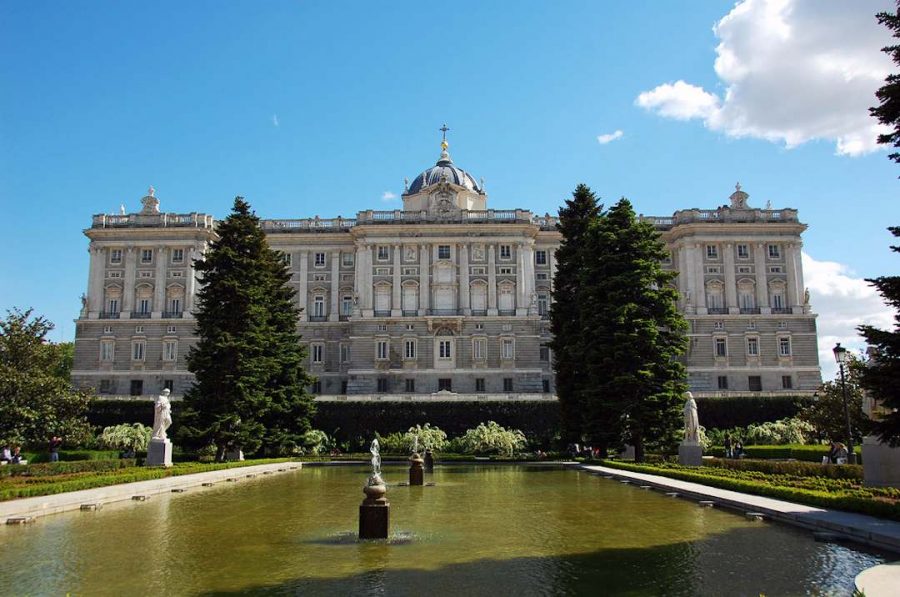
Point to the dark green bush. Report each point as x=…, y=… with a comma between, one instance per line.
x=812, y=453
x=72, y=455
x=741, y=411
x=48, y=469
x=800, y=469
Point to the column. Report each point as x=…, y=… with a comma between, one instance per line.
x=492, y=280
x=159, y=284
x=680, y=260
x=730, y=283
x=790, y=269
x=333, y=311
x=95, y=282
x=303, y=291
x=551, y=255
x=466, y=308
x=762, y=286
x=696, y=262
x=191, y=282
x=396, y=307
x=521, y=297
x=367, y=287
x=128, y=286
x=424, y=289
x=528, y=281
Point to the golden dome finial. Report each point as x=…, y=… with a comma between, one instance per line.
x=444, y=144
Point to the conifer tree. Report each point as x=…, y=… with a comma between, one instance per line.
x=888, y=110
x=250, y=389
x=571, y=258
x=632, y=335
x=882, y=377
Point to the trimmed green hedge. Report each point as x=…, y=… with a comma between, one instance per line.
x=49, y=469
x=839, y=494
x=799, y=469
x=741, y=411
x=812, y=453
x=122, y=475
x=72, y=455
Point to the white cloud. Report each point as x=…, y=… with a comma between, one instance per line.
x=275, y=120
x=842, y=302
x=388, y=196
x=793, y=71
x=609, y=137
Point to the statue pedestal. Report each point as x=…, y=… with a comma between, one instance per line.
x=881, y=463
x=429, y=461
x=374, y=512
x=416, y=470
x=627, y=452
x=690, y=453
x=159, y=453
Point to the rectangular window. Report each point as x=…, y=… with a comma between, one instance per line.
x=346, y=305
x=506, y=349
x=137, y=387
x=778, y=301
x=317, y=353
x=382, y=385
x=723, y=382
x=114, y=274
x=383, y=254
x=138, y=329
x=345, y=353
x=287, y=259
x=479, y=326
x=743, y=252
x=409, y=349
x=381, y=350
x=782, y=325
x=543, y=304
x=115, y=255
x=410, y=327
x=721, y=347
x=344, y=387
x=171, y=329
x=347, y=259
x=146, y=255
x=176, y=274
x=745, y=269
x=107, y=350
x=107, y=329
x=147, y=274
x=144, y=306
x=784, y=347
x=319, y=306
x=105, y=386
x=319, y=260
x=775, y=269
x=712, y=251
x=505, y=271
x=479, y=384
x=445, y=384
x=507, y=384
x=479, y=349
x=170, y=350
x=545, y=385
x=175, y=305
x=774, y=251
x=443, y=251
x=316, y=387
x=540, y=257
x=137, y=350
x=787, y=382
x=719, y=325
x=753, y=347
x=755, y=383
x=177, y=255
x=544, y=353
x=505, y=251
x=409, y=386
x=542, y=276
x=320, y=277
x=444, y=350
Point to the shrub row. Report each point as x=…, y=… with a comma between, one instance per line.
x=128, y=475
x=810, y=453
x=49, y=469
x=72, y=455
x=849, y=500
x=800, y=469
x=741, y=411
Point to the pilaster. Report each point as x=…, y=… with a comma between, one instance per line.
x=128, y=286
x=396, y=308
x=464, y=279
x=699, y=278
x=424, y=290
x=730, y=283
x=159, y=284
x=303, y=291
x=95, y=283
x=492, y=280
x=333, y=311
x=762, y=286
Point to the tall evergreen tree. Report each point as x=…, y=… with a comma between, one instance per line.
x=888, y=110
x=882, y=377
x=632, y=335
x=574, y=220
x=250, y=387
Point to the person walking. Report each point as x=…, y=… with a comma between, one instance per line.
x=729, y=453
x=55, y=443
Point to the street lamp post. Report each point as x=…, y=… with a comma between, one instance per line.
x=841, y=356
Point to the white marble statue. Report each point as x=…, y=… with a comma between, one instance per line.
x=376, y=458
x=691, y=422
x=162, y=415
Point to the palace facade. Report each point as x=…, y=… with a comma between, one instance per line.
x=445, y=298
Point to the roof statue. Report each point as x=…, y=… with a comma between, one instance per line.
x=739, y=198
x=150, y=202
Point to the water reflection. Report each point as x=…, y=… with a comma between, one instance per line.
x=485, y=530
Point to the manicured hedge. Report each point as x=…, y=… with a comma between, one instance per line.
x=49, y=469
x=741, y=411
x=799, y=469
x=73, y=455
x=812, y=453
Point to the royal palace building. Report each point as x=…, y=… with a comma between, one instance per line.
x=445, y=297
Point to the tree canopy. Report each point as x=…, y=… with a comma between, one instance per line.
x=888, y=110
x=251, y=387
x=37, y=400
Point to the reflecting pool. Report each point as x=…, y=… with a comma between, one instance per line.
x=481, y=530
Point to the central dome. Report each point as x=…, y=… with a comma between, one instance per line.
x=444, y=170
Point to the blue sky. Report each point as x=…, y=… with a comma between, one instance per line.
x=310, y=108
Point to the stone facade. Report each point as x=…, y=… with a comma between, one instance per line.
x=444, y=295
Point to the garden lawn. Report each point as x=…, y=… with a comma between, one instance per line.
x=48, y=479
x=844, y=491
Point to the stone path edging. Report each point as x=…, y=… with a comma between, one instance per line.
x=861, y=528
x=33, y=507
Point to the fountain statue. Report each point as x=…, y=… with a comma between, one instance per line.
x=375, y=509
x=159, y=451
x=690, y=451
x=416, y=469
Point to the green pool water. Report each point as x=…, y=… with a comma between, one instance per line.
x=481, y=530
